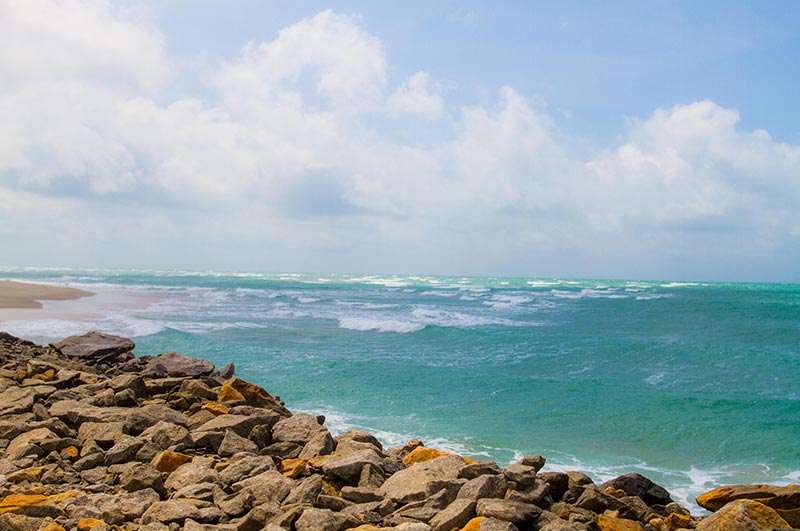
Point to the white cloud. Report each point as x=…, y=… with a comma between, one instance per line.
x=414, y=97
x=288, y=168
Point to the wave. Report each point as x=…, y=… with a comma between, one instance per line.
x=365, y=324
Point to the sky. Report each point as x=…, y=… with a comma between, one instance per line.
x=635, y=140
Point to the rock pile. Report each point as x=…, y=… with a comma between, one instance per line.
x=95, y=438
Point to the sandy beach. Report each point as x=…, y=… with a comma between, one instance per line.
x=23, y=295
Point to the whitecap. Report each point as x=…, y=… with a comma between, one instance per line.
x=380, y=325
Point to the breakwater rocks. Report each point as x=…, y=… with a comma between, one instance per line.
x=95, y=438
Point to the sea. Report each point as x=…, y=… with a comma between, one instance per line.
x=692, y=384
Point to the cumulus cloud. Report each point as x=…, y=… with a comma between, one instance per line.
x=415, y=97
x=294, y=153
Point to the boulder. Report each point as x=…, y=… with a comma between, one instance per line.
x=485, y=486
x=141, y=477
x=411, y=484
x=743, y=515
x=637, y=485
x=786, y=500
x=348, y=468
x=94, y=346
x=269, y=486
x=454, y=516
x=233, y=444
x=299, y=428
x=610, y=523
x=519, y=514
x=169, y=511
x=177, y=365
x=199, y=470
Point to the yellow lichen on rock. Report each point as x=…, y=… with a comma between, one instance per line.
x=52, y=526
x=474, y=524
x=254, y=395
x=421, y=454
x=168, y=461
x=218, y=408
x=678, y=521
x=294, y=468
x=14, y=503
x=85, y=524
x=227, y=393
x=610, y=523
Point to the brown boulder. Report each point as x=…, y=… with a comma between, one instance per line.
x=743, y=515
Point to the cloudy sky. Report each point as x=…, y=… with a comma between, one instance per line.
x=656, y=140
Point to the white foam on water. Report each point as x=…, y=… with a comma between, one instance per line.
x=306, y=300
x=365, y=324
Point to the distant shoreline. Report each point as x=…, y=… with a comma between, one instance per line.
x=24, y=295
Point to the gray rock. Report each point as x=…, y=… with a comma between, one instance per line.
x=519, y=514
x=103, y=433
x=536, y=461
x=140, y=477
x=166, y=435
x=313, y=519
x=245, y=466
x=485, y=486
x=20, y=445
x=558, y=481
x=412, y=483
x=321, y=444
x=455, y=515
x=124, y=450
x=360, y=494
x=199, y=491
x=480, y=469
x=520, y=474
x=235, y=504
x=349, y=467
x=199, y=470
x=537, y=494
x=116, y=509
x=169, y=511
x=299, y=429
x=269, y=486
x=233, y=444
x=598, y=501
x=94, y=346
x=177, y=365
x=305, y=491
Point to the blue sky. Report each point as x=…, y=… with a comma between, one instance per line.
x=583, y=139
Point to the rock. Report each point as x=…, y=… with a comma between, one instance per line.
x=124, y=450
x=536, y=461
x=243, y=467
x=234, y=444
x=519, y=514
x=306, y=491
x=17, y=447
x=140, y=477
x=537, y=494
x=598, y=501
x=785, y=500
x=348, y=468
x=637, y=485
x=520, y=474
x=167, y=461
x=321, y=444
x=610, y=523
x=299, y=429
x=87, y=524
x=485, y=486
x=743, y=515
x=454, y=516
x=269, y=486
x=255, y=395
x=482, y=523
x=199, y=470
x=480, y=469
x=166, y=435
x=94, y=346
x=558, y=482
x=411, y=483
x=177, y=365
x=103, y=433
x=170, y=511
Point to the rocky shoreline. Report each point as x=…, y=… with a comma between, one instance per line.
x=94, y=438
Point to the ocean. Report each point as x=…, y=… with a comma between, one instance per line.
x=692, y=384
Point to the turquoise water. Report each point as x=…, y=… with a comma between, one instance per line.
x=691, y=384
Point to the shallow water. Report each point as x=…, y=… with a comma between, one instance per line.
x=691, y=384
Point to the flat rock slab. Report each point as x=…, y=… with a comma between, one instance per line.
x=177, y=365
x=94, y=345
